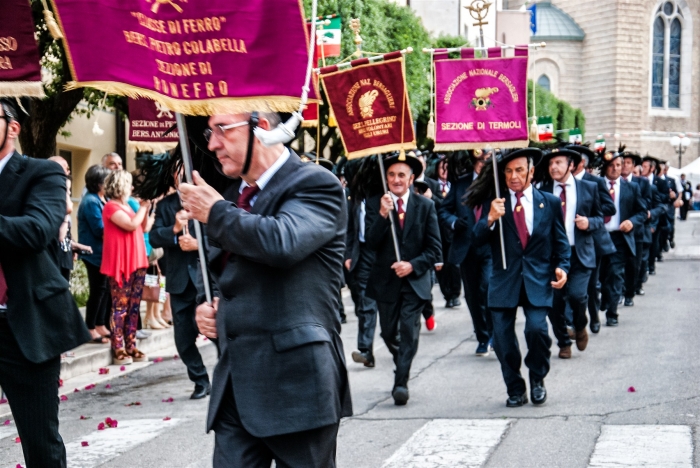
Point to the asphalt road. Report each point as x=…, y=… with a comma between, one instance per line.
x=456, y=415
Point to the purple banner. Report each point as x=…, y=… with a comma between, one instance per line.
x=194, y=56
x=148, y=121
x=481, y=103
x=20, y=71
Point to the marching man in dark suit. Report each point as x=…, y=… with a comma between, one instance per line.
x=537, y=256
x=276, y=251
x=38, y=316
x=631, y=212
x=475, y=262
x=173, y=233
x=401, y=288
x=582, y=216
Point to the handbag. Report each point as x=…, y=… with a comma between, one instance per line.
x=154, y=287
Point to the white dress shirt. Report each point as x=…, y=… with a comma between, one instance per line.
x=614, y=223
x=363, y=213
x=3, y=163
x=267, y=175
x=444, y=186
x=571, y=201
x=405, y=196
x=526, y=202
x=629, y=177
x=579, y=176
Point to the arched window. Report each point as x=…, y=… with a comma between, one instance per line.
x=657, y=79
x=544, y=82
x=666, y=57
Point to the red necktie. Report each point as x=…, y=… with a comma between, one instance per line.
x=520, y=224
x=244, y=199
x=246, y=196
x=477, y=212
x=562, y=197
x=612, y=195
x=400, y=210
x=3, y=287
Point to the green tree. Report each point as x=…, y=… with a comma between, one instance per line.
x=564, y=116
x=48, y=116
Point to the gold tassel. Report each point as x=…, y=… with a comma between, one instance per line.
x=331, y=120
x=430, y=131
x=51, y=23
x=534, y=131
x=402, y=155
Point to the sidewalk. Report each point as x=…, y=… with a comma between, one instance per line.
x=687, y=238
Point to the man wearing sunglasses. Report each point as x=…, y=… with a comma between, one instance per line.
x=276, y=252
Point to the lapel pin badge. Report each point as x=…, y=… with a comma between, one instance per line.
x=542, y=205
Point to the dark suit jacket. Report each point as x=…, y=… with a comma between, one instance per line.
x=632, y=207
x=278, y=326
x=419, y=244
x=588, y=205
x=604, y=245
x=664, y=197
x=40, y=309
x=670, y=209
x=533, y=267
x=452, y=209
x=178, y=267
x=644, y=235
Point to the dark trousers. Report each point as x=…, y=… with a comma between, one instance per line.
x=449, y=279
x=643, y=264
x=237, y=448
x=365, y=307
x=655, y=250
x=507, y=348
x=575, y=294
x=594, y=289
x=476, y=271
x=32, y=391
x=612, y=274
x=99, y=302
x=684, y=208
x=632, y=265
x=183, y=306
x=400, y=323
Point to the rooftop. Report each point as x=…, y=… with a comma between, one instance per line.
x=555, y=25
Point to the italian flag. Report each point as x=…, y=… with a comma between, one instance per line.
x=575, y=136
x=599, y=144
x=545, y=128
x=328, y=37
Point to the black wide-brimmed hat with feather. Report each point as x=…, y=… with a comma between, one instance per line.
x=603, y=159
x=533, y=154
x=634, y=156
x=574, y=156
x=412, y=161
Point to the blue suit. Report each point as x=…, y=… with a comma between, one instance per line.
x=583, y=262
x=475, y=262
x=633, y=208
x=525, y=282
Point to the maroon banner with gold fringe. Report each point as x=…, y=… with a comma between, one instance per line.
x=20, y=70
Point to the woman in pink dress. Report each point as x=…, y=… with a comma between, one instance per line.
x=124, y=262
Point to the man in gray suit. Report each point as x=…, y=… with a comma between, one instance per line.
x=276, y=250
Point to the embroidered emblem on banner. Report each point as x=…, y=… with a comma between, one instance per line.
x=366, y=102
x=481, y=101
x=158, y=3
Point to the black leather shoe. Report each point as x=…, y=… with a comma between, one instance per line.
x=449, y=304
x=629, y=302
x=611, y=322
x=652, y=272
x=538, y=393
x=660, y=259
x=400, y=395
x=639, y=292
x=200, y=391
x=456, y=302
x=365, y=358
x=595, y=326
x=619, y=302
x=516, y=401
x=645, y=278
x=673, y=245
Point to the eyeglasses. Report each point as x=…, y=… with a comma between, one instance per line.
x=220, y=130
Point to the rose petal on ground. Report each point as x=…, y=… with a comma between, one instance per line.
x=101, y=426
x=167, y=418
x=158, y=359
x=18, y=440
x=6, y=423
x=84, y=443
x=631, y=389
x=103, y=370
x=176, y=357
x=76, y=391
x=122, y=368
x=108, y=386
x=64, y=398
x=3, y=401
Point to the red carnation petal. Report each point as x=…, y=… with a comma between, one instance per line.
x=84, y=443
x=167, y=418
x=64, y=398
x=108, y=386
x=3, y=401
x=76, y=391
x=122, y=368
x=18, y=440
x=7, y=422
x=631, y=389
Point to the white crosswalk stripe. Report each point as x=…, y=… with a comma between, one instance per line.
x=648, y=446
x=110, y=443
x=449, y=443
x=8, y=431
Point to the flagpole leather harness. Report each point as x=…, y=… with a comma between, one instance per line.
x=252, y=125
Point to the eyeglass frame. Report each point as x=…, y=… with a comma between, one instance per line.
x=223, y=128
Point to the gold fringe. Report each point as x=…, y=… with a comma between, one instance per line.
x=331, y=120
x=534, y=131
x=206, y=107
x=381, y=149
x=151, y=146
x=473, y=146
x=309, y=123
x=22, y=89
x=51, y=24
